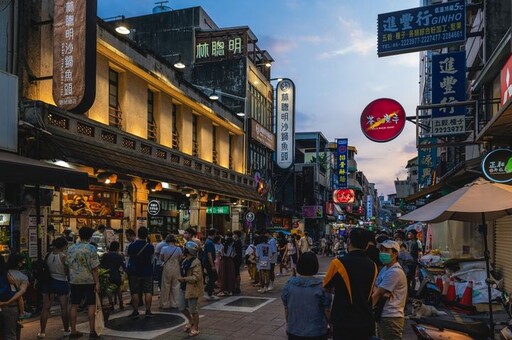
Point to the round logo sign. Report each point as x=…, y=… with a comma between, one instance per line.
x=154, y=207
x=383, y=120
x=249, y=217
x=497, y=165
x=344, y=196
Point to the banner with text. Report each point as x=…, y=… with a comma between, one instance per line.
x=342, y=163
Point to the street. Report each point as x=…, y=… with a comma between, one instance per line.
x=260, y=316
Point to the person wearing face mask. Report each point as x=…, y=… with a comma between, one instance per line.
x=390, y=293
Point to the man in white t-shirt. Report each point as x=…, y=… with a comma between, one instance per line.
x=390, y=292
x=305, y=243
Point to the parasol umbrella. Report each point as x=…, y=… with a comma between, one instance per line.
x=477, y=201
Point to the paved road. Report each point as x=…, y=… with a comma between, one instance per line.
x=265, y=323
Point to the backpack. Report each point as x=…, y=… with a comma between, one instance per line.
x=42, y=273
x=5, y=289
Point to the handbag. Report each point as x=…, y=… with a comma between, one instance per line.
x=99, y=322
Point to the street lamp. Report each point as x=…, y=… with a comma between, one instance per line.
x=121, y=25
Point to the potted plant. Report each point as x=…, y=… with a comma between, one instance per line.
x=107, y=289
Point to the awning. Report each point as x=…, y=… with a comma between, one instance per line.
x=115, y=160
x=24, y=170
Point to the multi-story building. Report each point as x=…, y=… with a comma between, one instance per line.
x=147, y=143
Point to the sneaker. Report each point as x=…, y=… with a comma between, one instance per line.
x=213, y=298
x=279, y=274
x=270, y=287
x=41, y=335
x=135, y=314
x=75, y=335
x=25, y=315
x=94, y=335
x=262, y=290
x=66, y=333
x=149, y=314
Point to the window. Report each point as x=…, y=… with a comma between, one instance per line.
x=114, y=110
x=152, y=132
x=175, y=131
x=260, y=108
x=195, y=143
x=214, y=145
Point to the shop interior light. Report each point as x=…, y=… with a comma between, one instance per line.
x=154, y=186
x=107, y=177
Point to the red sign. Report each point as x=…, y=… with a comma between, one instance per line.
x=506, y=81
x=383, y=120
x=344, y=196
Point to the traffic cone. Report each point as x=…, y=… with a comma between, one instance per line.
x=451, y=295
x=466, y=303
x=439, y=283
x=467, y=297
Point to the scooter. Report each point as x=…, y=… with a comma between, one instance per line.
x=428, y=291
x=438, y=328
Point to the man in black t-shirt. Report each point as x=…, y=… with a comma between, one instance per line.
x=238, y=246
x=351, y=278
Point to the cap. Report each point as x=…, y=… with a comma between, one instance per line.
x=390, y=244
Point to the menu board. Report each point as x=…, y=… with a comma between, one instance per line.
x=88, y=203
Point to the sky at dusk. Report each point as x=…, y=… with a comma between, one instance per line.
x=329, y=49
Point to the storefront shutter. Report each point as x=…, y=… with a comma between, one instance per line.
x=502, y=246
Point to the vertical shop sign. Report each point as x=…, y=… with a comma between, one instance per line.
x=448, y=86
x=74, y=54
x=32, y=242
x=342, y=162
x=427, y=162
x=369, y=207
x=285, y=128
x=506, y=81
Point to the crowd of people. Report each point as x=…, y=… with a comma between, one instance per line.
x=366, y=286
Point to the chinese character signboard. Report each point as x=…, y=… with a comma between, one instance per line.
x=369, y=207
x=342, y=163
x=382, y=120
x=421, y=28
x=344, y=196
x=427, y=162
x=74, y=54
x=506, y=81
x=312, y=211
x=497, y=165
x=448, y=86
x=262, y=135
x=220, y=45
x=153, y=207
x=285, y=128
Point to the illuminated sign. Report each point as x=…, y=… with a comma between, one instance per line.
x=262, y=135
x=344, y=196
x=312, y=211
x=421, y=28
x=369, y=207
x=341, y=165
x=285, y=128
x=497, y=165
x=74, y=54
x=383, y=120
x=448, y=86
x=219, y=45
x=506, y=81
x=154, y=207
x=224, y=209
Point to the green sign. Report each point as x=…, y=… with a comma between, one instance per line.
x=218, y=210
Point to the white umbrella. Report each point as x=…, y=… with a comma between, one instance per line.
x=475, y=202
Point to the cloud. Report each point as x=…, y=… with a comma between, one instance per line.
x=407, y=60
x=279, y=46
x=354, y=40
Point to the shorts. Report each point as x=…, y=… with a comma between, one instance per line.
x=81, y=292
x=57, y=287
x=190, y=304
x=140, y=284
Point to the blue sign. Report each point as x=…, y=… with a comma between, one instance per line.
x=448, y=85
x=342, y=163
x=427, y=162
x=421, y=28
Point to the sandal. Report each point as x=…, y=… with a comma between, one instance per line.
x=193, y=333
x=187, y=328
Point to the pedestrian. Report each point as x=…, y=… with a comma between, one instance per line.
x=413, y=247
x=140, y=271
x=263, y=255
x=250, y=262
x=158, y=261
x=238, y=259
x=306, y=303
x=16, y=263
x=218, y=248
x=390, y=293
x=305, y=243
x=114, y=263
x=170, y=257
x=83, y=263
x=351, y=278
x=292, y=253
x=13, y=285
x=282, y=257
x=208, y=261
x=371, y=251
x=227, y=268
x=273, y=258
x=191, y=287
x=57, y=286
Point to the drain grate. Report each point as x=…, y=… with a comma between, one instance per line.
x=247, y=304
x=144, y=324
